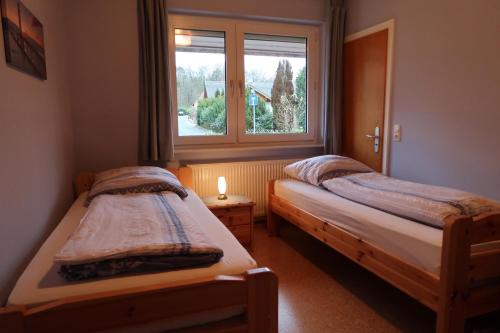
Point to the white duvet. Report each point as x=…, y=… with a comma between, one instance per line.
x=120, y=226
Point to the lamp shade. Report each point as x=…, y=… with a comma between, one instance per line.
x=222, y=186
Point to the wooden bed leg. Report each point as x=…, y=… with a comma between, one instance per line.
x=11, y=319
x=455, y=259
x=272, y=219
x=262, y=311
x=273, y=224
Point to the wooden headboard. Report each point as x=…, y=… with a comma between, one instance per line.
x=83, y=182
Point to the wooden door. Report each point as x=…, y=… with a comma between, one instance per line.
x=365, y=68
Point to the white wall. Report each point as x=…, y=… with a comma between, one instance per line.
x=446, y=89
x=36, y=145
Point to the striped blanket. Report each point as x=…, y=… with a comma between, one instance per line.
x=135, y=233
x=426, y=204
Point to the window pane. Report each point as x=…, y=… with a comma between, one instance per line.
x=201, y=82
x=275, y=84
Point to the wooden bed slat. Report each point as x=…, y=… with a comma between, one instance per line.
x=483, y=300
x=486, y=228
x=484, y=265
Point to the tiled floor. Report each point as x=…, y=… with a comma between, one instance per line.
x=322, y=291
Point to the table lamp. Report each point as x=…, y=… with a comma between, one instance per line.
x=221, y=184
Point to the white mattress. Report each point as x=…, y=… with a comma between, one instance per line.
x=41, y=283
x=413, y=242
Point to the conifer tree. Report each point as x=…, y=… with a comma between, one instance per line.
x=288, y=79
x=301, y=94
x=277, y=91
x=282, y=97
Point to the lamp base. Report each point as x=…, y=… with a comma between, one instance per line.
x=222, y=197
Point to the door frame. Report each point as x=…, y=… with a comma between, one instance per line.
x=389, y=26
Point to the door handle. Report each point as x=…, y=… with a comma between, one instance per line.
x=231, y=84
x=376, y=139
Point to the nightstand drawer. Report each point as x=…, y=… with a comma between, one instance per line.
x=241, y=232
x=233, y=216
x=233, y=220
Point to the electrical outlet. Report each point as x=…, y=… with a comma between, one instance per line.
x=396, y=133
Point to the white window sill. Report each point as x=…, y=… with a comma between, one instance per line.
x=237, y=153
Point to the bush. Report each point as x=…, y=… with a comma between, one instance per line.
x=211, y=114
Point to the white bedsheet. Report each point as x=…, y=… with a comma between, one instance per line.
x=41, y=283
x=413, y=242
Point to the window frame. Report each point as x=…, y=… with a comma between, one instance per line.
x=212, y=24
x=281, y=29
x=235, y=76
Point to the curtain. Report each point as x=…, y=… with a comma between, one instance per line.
x=333, y=133
x=155, y=117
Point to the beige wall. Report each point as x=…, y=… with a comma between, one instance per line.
x=446, y=89
x=36, y=145
x=300, y=10
x=103, y=60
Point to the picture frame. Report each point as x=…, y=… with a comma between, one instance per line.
x=23, y=39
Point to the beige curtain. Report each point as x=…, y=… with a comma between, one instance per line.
x=333, y=119
x=155, y=117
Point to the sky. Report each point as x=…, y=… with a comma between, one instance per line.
x=265, y=64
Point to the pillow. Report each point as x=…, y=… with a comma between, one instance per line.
x=317, y=169
x=140, y=179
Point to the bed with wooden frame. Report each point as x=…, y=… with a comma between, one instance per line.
x=255, y=291
x=468, y=284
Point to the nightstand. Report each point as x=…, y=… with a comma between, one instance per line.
x=236, y=212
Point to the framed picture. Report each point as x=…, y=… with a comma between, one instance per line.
x=23, y=36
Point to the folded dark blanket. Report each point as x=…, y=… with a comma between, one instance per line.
x=135, y=265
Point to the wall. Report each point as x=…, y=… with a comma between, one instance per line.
x=300, y=10
x=446, y=89
x=36, y=145
x=103, y=57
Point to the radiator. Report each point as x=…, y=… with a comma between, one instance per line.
x=244, y=178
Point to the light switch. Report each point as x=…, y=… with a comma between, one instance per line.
x=396, y=133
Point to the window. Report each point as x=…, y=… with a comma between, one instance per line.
x=275, y=84
x=200, y=60
x=243, y=81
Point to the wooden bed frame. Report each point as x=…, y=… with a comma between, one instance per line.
x=468, y=284
x=255, y=291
